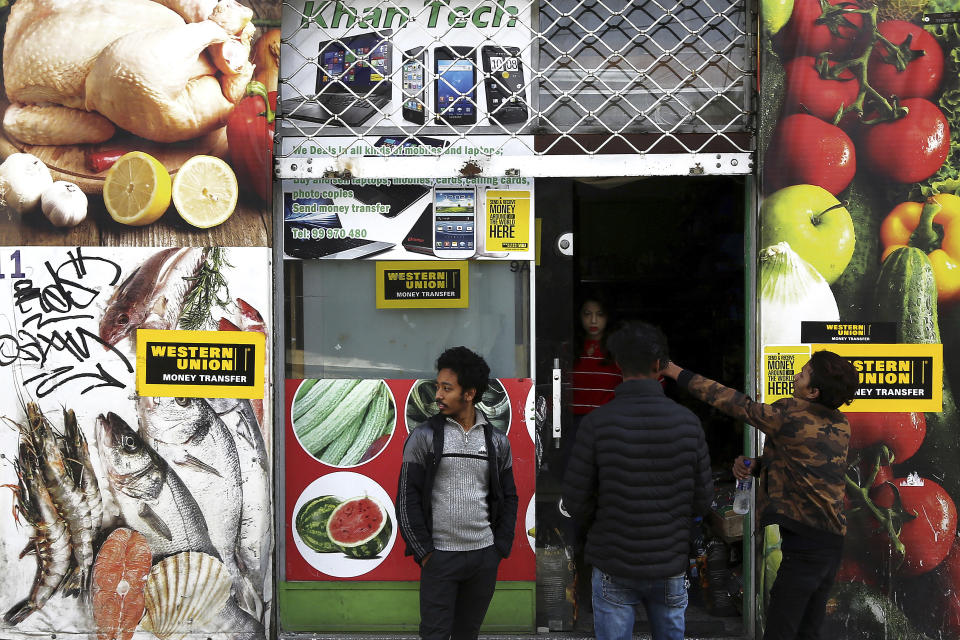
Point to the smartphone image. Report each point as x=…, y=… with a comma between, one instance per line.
x=414, y=83
x=455, y=82
x=454, y=222
x=503, y=84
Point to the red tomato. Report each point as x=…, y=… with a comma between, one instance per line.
x=854, y=570
x=926, y=538
x=807, y=34
x=922, y=75
x=806, y=150
x=948, y=575
x=902, y=432
x=807, y=91
x=911, y=148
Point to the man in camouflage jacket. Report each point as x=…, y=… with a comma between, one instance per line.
x=801, y=481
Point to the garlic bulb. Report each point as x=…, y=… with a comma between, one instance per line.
x=23, y=178
x=64, y=204
x=791, y=291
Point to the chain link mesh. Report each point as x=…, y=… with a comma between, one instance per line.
x=598, y=76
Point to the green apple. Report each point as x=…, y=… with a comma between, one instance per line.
x=774, y=14
x=815, y=224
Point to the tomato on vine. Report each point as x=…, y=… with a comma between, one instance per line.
x=807, y=90
x=806, y=150
x=810, y=30
x=913, y=68
x=910, y=148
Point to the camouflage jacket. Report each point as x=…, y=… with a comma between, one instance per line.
x=801, y=484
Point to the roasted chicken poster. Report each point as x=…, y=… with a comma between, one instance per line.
x=128, y=122
x=125, y=515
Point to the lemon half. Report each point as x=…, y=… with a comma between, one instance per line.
x=205, y=191
x=136, y=190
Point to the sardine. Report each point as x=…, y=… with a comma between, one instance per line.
x=51, y=538
x=153, y=499
x=190, y=436
x=152, y=297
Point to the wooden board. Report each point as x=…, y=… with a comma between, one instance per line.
x=68, y=162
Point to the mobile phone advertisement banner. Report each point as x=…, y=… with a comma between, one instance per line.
x=418, y=74
x=860, y=167
x=340, y=484
x=409, y=219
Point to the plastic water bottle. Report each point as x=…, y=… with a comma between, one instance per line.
x=741, y=499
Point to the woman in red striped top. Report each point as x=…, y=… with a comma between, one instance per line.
x=595, y=374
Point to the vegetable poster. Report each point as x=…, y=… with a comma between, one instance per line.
x=126, y=514
x=344, y=448
x=859, y=140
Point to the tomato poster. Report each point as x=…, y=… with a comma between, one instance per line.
x=344, y=447
x=860, y=171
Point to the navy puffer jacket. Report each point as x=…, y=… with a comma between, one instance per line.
x=638, y=474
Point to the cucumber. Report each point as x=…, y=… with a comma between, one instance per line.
x=906, y=293
x=772, y=78
x=853, y=290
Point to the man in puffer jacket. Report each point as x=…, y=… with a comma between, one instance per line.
x=638, y=475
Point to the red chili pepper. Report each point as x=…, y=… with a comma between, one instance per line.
x=250, y=136
x=102, y=159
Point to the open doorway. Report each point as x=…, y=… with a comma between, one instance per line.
x=670, y=251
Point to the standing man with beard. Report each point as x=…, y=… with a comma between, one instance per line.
x=457, y=502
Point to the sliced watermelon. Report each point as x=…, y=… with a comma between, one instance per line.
x=311, y=523
x=360, y=527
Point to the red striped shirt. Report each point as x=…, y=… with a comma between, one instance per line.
x=593, y=381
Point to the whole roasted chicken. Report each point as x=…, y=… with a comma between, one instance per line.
x=171, y=70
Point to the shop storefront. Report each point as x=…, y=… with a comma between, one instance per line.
x=212, y=357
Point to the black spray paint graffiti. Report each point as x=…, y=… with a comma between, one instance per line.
x=51, y=311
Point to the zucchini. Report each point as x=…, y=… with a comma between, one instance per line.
x=906, y=293
x=772, y=79
x=372, y=428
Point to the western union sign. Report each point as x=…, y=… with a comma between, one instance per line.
x=200, y=364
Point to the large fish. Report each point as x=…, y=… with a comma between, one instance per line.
x=152, y=297
x=153, y=499
x=191, y=437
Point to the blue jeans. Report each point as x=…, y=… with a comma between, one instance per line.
x=615, y=601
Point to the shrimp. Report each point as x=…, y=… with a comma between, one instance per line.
x=70, y=500
x=51, y=537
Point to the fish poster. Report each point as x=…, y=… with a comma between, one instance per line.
x=127, y=516
x=859, y=152
x=344, y=448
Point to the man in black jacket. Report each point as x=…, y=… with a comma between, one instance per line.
x=457, y=502
x=638, y=474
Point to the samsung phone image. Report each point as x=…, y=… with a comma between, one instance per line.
x=455, y=82
x=414, y=83
x=503, y=84
x=454, y=222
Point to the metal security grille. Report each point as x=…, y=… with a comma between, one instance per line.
x=589, y=79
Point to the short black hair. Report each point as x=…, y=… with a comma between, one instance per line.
x=835, y=377
x=471, y=369
x=636, y=346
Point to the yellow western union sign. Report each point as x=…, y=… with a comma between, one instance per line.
x=893, y=377
x=423, y=284
x=200, y=364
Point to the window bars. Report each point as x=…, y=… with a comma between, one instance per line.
x=508, y=78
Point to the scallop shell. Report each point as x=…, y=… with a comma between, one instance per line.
x=184, y=593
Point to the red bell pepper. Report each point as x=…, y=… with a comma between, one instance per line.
x=250, y=136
